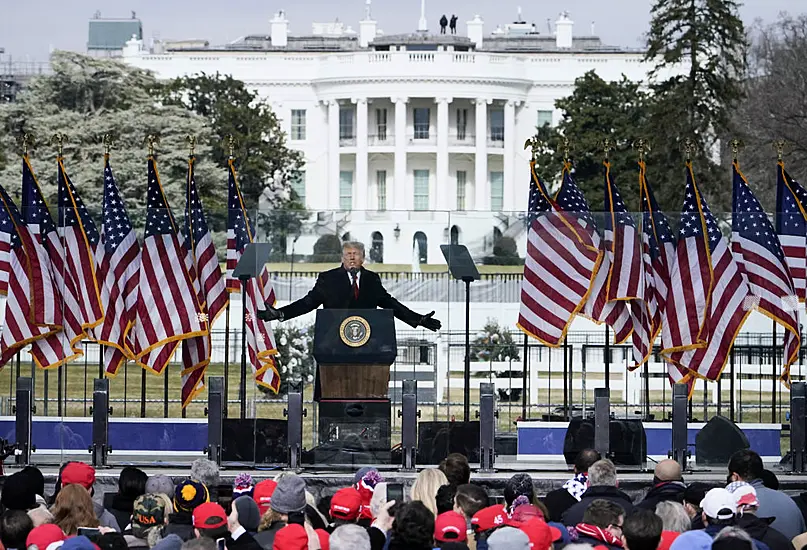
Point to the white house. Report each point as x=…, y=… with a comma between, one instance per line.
x=410, y=141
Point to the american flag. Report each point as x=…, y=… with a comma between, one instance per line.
x=16, y=264
x=118, y=266
x=659, y=255
x=260, y=340
x=563, y=253
x=762, y=262
x=208, y=281
x=167, y=309
x=56, y=349
x=715, y=292
x=80, y=239
x=626, y=277
x=616, y=314
x=791, y=226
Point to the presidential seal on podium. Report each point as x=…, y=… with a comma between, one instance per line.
x=354, y=331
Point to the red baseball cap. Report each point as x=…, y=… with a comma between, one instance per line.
x=324, y=539
x=45, y=535
x=450, y=527
x=262, y=494
x=345, y=504
x=488, y=518
x=541, y=534
x=78, y=473
x=291, y=537
x=205, y=514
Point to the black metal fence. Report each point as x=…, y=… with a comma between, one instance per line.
x=531, y=380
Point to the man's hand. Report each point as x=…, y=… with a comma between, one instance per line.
x=270, y=314
x=384, y=519
x=428, y=321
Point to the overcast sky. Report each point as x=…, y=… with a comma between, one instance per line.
x=30, y=29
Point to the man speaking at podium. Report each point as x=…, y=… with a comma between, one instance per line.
x=349, y=286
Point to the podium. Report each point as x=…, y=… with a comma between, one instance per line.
x=354, y=350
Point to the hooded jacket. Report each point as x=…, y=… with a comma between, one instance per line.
x=760, y=529
x=574, y=515
x=663, y=492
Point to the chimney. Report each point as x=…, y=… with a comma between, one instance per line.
x=367, y=27
x=563, y=31
x=476, y=30
x=280, y=30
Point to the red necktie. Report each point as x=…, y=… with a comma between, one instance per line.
x=355, y=287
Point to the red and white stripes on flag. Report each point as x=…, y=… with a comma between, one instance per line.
x=118, y=268
x=260, y=341
x=562, y=258
x=58, y=348
x=762, y=262
x=617, y=297
x=208, y=281
x=167, y=310
x=715, y=302
x=22, y=280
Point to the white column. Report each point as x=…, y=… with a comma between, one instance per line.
x=361, y=187
x=509, y=155
x=399, y=183
x=333, y=154
x=481, y=191
x=442, y=178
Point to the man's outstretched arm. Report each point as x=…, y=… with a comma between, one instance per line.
x=309, y=302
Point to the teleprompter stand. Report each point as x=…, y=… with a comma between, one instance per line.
x=462, y=268
x=252, y=262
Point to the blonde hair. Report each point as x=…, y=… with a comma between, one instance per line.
x=425, y=487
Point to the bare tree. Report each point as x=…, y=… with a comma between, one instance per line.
x=775, y=105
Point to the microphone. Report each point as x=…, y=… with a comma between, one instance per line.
x=353, y=272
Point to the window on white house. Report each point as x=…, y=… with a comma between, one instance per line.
x=298, y=124
x=297, y=181
x=346, y=190
x=496, y=191
x=421, y=116
x=462, y=184
x=381, y=187
x=421, y=189
x=544, y=118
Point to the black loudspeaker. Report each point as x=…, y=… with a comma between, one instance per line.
x=238, y=440
x=627, y=440
x=409, y=424
x=798, y=427
x=215, y=414
x=355, y=425
x=436, y=440
x=100, y=421
x=23, y=409
x=717, y=441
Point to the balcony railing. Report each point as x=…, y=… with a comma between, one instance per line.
x=423, y=138
x=496, y=141
x=381, y=139
x=462, y=139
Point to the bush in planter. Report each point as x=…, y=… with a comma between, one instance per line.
x=494, y=343
x=295, y=357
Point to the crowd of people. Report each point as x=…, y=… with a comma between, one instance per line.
x=443, y=509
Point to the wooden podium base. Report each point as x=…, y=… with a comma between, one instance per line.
x=354, y=381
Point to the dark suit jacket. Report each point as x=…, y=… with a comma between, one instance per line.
x=333, y=291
